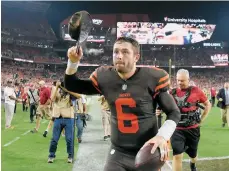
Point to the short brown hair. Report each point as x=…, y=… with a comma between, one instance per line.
x=132, y=41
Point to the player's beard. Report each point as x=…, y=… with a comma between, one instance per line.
x=124, y=68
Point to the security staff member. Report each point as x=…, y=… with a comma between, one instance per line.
x=187, y=134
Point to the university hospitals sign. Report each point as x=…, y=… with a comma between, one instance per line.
x=184, y=20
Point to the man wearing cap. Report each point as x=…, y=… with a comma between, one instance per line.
x=43, y=109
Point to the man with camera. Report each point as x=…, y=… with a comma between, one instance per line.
x=187, y=134
x=63, y=117
x=33, y=99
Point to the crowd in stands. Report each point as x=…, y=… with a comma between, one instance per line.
x=160, y=55
x=22, y=24
x=27, y=35
x=206, y=78
x=25, y=72
x=35, y=54
x=101, y=55
x=31, y=73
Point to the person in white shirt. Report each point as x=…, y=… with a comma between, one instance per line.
x=10, y=99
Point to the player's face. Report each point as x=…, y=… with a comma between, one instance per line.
x=182, y=81
x=124, y=57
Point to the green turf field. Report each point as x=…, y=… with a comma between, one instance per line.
x=30, y=152
x=214, y=139
x=213, y=143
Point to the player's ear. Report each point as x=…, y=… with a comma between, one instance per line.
x=137, y=57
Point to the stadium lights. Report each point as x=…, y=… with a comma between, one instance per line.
x=23, y=60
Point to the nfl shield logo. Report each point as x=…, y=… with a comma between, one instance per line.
x=124, y=87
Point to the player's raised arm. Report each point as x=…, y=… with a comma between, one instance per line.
x=72, y=82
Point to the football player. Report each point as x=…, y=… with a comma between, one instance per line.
x=131, y=93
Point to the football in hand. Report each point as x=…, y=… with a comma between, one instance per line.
x=144, y=159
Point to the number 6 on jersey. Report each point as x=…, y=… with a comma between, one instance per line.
x=130, y=102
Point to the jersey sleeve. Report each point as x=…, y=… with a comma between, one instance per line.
x=74, y=84
x=163, y=82
x=94, y=79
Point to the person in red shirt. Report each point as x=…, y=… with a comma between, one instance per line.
x=187, y=134
x=44, y=107
x=24, y=101
x=213, y=95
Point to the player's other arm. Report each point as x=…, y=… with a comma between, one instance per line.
x=168, y=105
x=72, y=82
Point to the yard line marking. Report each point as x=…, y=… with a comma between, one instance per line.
x=15, y=139
x=208, y=158
x=26, y=132
x=205, y=158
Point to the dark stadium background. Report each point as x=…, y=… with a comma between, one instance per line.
x=214, y=12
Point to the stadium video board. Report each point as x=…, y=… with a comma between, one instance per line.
x=165, y=33
x=220, y=59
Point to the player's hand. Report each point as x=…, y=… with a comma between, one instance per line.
x=220, y=99
x=73, y=55
x=158, y=112
x=160, y=142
